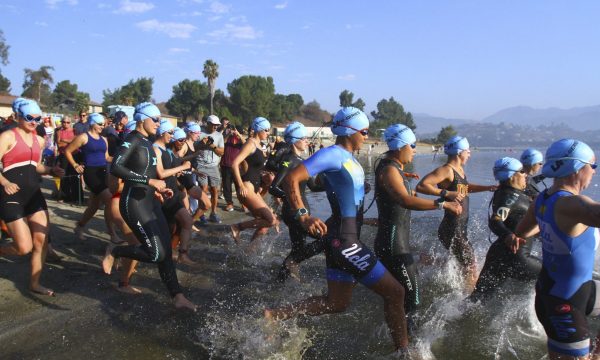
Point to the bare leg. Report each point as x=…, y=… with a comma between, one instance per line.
x=184, y=221
x=393, y=306
x=214, y=198
x=181, y=302
x=38, y=224
x=90, y=210
x=110, y=218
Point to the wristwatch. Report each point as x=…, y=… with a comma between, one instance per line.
x=443, y=194
x=300, y=212
x=440, y=203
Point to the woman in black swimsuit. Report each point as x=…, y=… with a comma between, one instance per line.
x=249, y=184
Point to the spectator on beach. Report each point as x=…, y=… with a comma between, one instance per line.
x=233, y=145
x=81, y=126
x=70, y=187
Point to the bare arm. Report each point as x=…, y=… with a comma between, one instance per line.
x=442, y=176
x=474, y=188
x=528, y=225
x=78, y=142
x=291, y=186
x=577, y=210
x=165, y=173
x=7, y=141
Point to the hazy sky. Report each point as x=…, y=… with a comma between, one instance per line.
x=464, y=59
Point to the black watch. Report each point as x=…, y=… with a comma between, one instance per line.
x=443, y=194
x=300, y=212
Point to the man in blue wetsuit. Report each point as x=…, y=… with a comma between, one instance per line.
x=567, y=221
x=348, y=259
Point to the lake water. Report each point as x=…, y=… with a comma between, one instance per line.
x=448, y=327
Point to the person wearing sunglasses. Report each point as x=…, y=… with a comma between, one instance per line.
x=94, y=158
x=348, y=260
x=565, y=293
x=509, y=205
x=249, y=185
x=167, y=168
x=135, y=163
x=395, y=200
x=22, y=206
x=449, y=182
x=532, y=161
x=281, y=163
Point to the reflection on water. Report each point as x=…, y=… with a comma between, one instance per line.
x=448, y=327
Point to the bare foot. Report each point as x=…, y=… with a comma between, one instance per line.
x=195, y=228
x=40, y=290
x=79, y=232
x=235, y=232
x=115, y=239
x=128, y=289
x=108, y=261
x=181, y=302
x=185, y=259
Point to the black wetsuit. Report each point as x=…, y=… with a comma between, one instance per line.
x=172, y=205
x=256, y=163
x=287, y=160
x=535, y=185
x=187, y=178
x=135, y=163
x=393, y=234
x=509, y=206
x=453, y=228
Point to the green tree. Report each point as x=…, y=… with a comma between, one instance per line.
x=211, y=73
x=188, y=99
x=391, y=112
x=251, y=96
x=66, y=96
x=134, y=92
x=313, y=111
x=285, y=107
x=4, y=82
x=37, y=84
x=445, y=134
x=347, y=99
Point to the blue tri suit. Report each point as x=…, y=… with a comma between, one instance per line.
x=565, y=291
x=346, y=256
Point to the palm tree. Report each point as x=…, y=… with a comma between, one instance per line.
x=35, y=80
x=211, y=73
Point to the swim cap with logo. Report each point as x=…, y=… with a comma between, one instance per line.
x=95, y=118
x=294, y=132
x=15, y=104
x=165, y=126
x=531, y=156
x=455, y=145
x=260, y=123
x=28, y=107
x=145, y=110
x=565, y=157
x=396, y=136
x=506, y=167
x=349, y=120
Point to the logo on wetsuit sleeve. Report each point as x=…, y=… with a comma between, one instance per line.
x=356, y=260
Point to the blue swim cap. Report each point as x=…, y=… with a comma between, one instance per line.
x=396, y=136
x=260, y=123
x=145, y=110
x=455, y=145
x=165, y=126
x=15, y=104
x=129, y=127
x=506, y=167
x=565, y=157
x=178, y=134
x=349, y=120
x=531, y=156
x=193, y=127
x=28, y=107
x=294, y=132
x=95, y=118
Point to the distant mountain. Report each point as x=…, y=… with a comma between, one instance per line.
x=427, y=124
x=579, y=118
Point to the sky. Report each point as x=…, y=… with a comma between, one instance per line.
x=455, y=59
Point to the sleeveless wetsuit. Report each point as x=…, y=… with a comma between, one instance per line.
x=256, y=163
x=453, y=228
x=19, y=167
x=509, y=206
x=343, y=177
x=565, y=291
x=135, y=163
x=393, y=234
x=94, y=159
x=287, y=161
x=535, y=185
x=170, y=206
x=187, y=177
